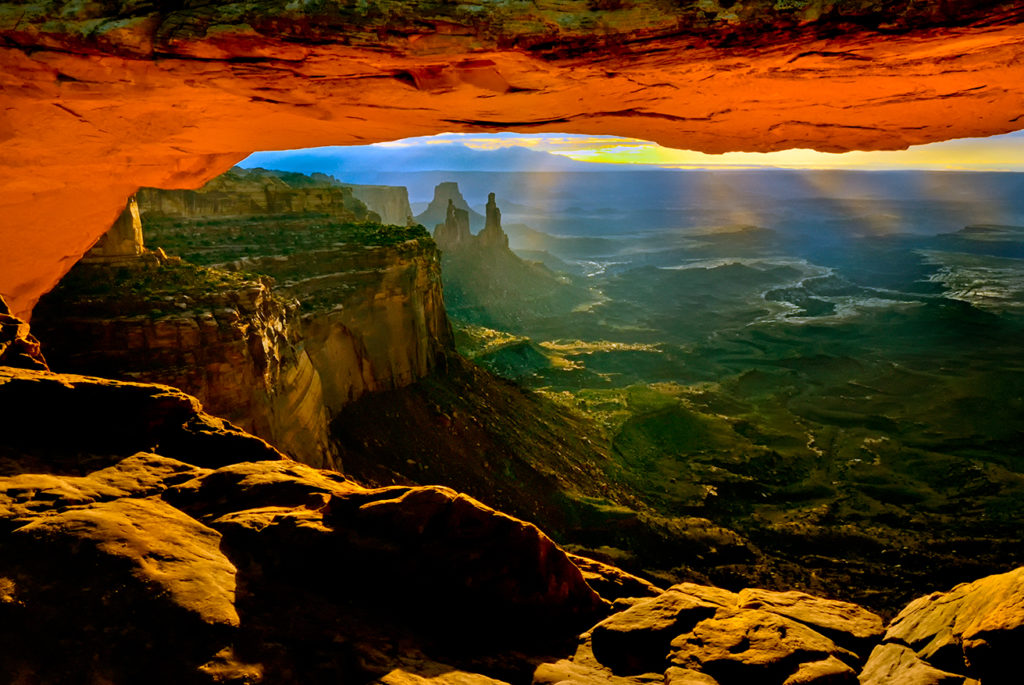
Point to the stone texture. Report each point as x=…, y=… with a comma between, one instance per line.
x=973, y=629
x=18, y=347
x=753, y=645
x=849, y=625
x=896, y=663
x=391, y=203
x=103, y=98
x=237, y=348
x=637, y=640
x=611, y=582
x=100, y=419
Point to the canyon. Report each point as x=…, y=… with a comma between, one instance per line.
x=327, y=319
x=144, y=539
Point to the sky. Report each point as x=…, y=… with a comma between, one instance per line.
x=575, y=152
x=998, y=153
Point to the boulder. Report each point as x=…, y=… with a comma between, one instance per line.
x=611, y=582
x=753, y=646
x=975, y=629
x=848, y=625
x=895, y=663
x=637, y=640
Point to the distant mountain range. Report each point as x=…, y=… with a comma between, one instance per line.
x=351, y=163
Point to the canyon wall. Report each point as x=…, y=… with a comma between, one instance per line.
x=257, y=192
x=375, y=318
x=350, y=308
x=391, y=203
x=231, y=342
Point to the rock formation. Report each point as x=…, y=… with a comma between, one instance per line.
x=143, y=540
x=18, y=347
x=391, y=203
x=258, y=192
x=123, y=242
x=103, y=98
x=492, y=237
x=372, y=316
x=226, y=339
x=437, y=211
x=454, y=233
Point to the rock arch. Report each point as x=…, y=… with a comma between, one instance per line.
x=99, y=99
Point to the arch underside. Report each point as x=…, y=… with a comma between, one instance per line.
x=94, y=107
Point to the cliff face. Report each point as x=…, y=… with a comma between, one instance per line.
x=391, y=203
x=225, y=339
x=242, y=192
x=373, y=317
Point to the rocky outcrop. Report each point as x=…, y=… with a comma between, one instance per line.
x=226, y=339
x=18, y=347
x=142, y=540
x=454, y=233
x=492, y=237
x=445, y=194
x=969, y=632
x=103, y=98
x=123, y=242
x=258, y=192
x=391, y=203
x=375, y=317
x=122, y=564
x=706, y=636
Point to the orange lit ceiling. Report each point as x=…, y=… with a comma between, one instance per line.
x=99, y=99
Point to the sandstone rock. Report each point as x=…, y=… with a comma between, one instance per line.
x=753, y=646
x=18, y=347
x=849, y=625
x=492, y=237
x=26, y=495
x=390, y=202
x=104, y=417
x=637, y=640
x=252, y=370
x=436, y=675
x=613, y=583
x=433, y=554
x=445, y=194
x=241, y=192
x=976, y=628
x=114, y=588
x=830, y=671
x=895, y=663
x=686, y=676
x=106, y=98
x=454, y=233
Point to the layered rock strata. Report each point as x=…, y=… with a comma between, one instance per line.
x=391, y=203
x=258, y=192
x=226, y=339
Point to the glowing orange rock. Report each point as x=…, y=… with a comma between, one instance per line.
x=96, y=105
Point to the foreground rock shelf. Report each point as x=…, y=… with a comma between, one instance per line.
x=142, y=540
